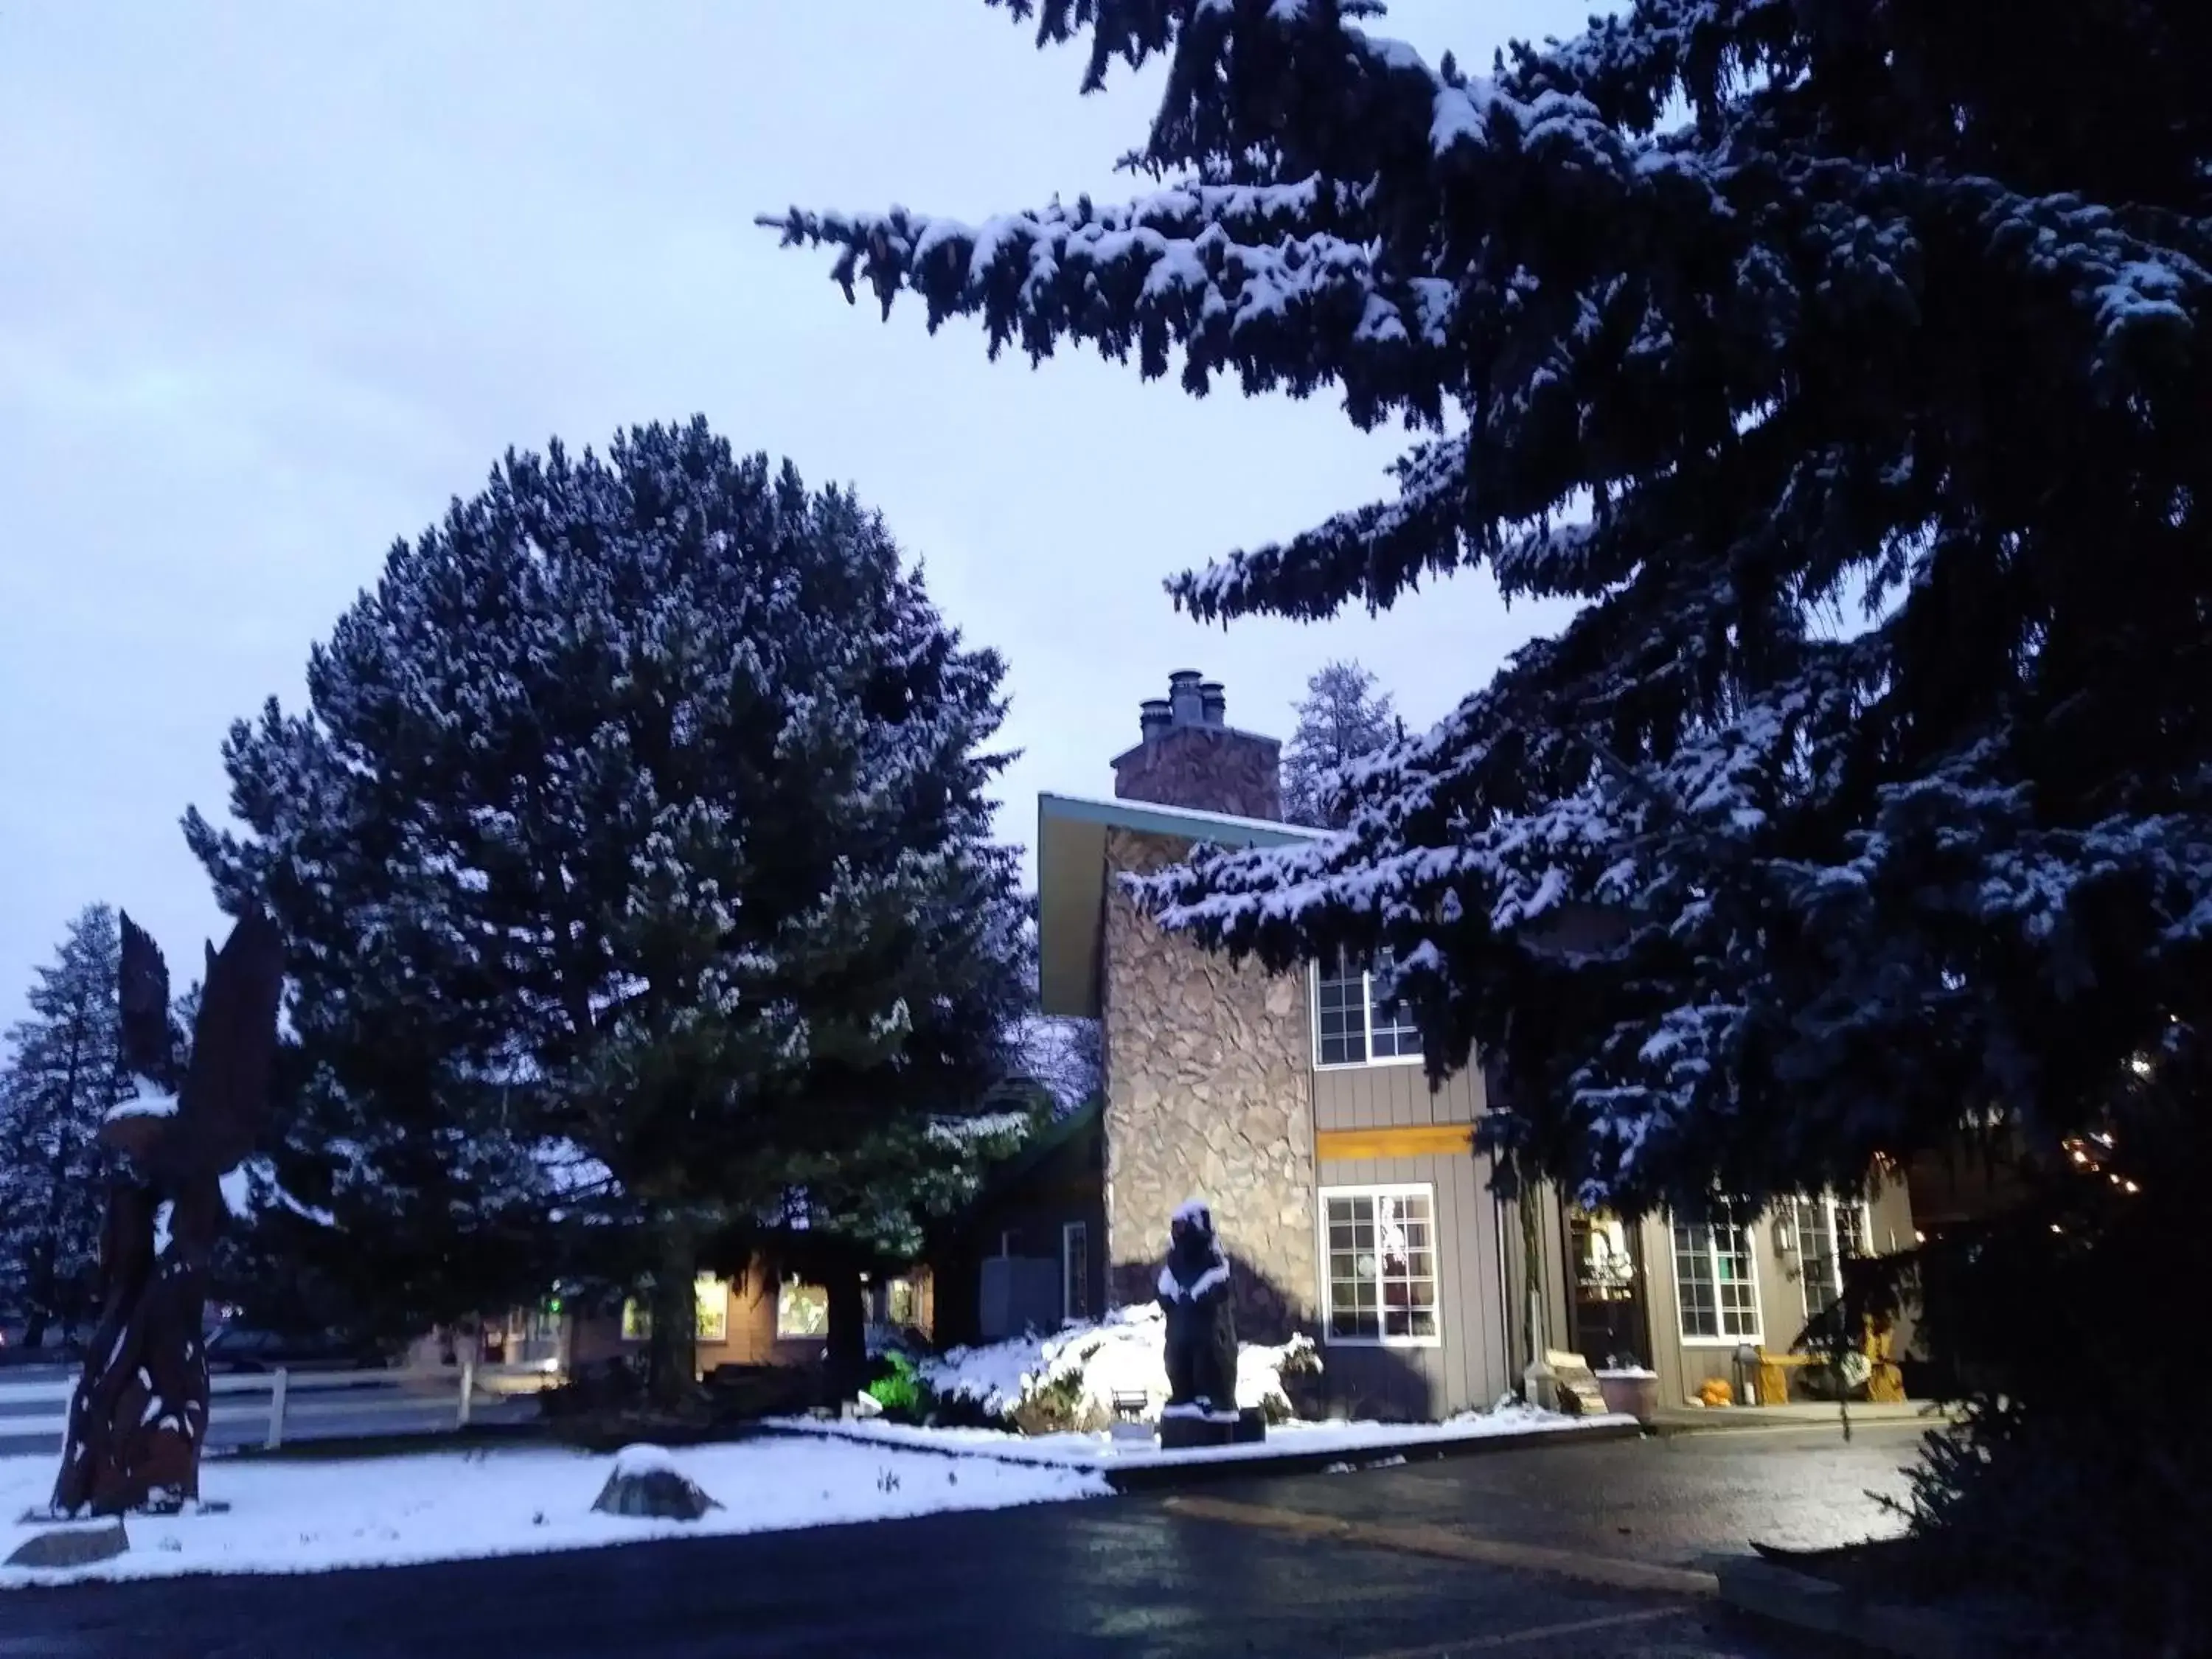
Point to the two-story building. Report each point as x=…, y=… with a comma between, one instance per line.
x=1346, y=1191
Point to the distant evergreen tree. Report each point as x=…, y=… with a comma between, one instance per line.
x=1341, y=718
x=63, y=1073
x=1064, y=1053
x=1848, y=363
x=635, y=857
x=1068, y=1057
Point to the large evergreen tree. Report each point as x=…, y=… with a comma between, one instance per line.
x=63, y=1073
x=1342, y=717
x=636, y=825
x=1847, y=360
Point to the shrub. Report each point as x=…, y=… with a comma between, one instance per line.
x=1058, y=1406
x=900, y=1390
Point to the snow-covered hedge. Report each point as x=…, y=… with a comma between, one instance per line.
x=1086, y=1365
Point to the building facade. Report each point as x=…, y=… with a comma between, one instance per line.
x=1346, y=1189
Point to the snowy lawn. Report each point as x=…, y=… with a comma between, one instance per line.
x=1103, y=1451
x=313, y=1516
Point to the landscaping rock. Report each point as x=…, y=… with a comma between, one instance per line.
x=72, y=1547
x=645, y=1484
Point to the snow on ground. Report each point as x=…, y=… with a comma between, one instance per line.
x=1123, y=1354
x=311, y=1515
x=1104, y=1451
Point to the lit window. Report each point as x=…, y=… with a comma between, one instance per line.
x=1352, y=1026
x=711, y=1311
x=1715, y=1285
x=1830, y=1232
x=1379, y=1279
x=900, y=1304
x=801, y=1311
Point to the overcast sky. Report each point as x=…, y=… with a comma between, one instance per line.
x=278, y=279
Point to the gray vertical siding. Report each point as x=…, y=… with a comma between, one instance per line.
x=1682, y=1366
x=1553, y=1288
x=1468, y=1367
x=1393, y=1097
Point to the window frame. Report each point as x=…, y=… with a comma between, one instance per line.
x=708, y=1290
x=1074, y=1259
x=892, y=1289
x=1377, y=1189
x=783, y=1286
x=1314, y=977
x=1756, y=1336
x=1832, y=1209
x=637, y=1324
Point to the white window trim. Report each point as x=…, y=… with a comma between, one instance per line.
x=1067, y=1231
x=1313, y=1026
x=1834, y=1206
x=1377, y=1189
x=1757, y=1338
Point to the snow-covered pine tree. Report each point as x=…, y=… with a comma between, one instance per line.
x=1067, y=1055
x=1064, y=1053
x=63, y=1073
x=1848, y=363
x=1341, y=718
x=640, y=809
x=865, y=1202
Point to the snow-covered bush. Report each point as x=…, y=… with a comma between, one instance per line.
x=1068, y=1380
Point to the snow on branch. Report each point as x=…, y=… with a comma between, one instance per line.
x=1373, y=553
x=984, y=1127
x=1254, y=279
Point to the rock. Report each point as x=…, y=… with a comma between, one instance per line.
x=647, y=1484
x=72, y=1547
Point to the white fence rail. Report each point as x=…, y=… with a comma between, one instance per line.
x=290, y=1405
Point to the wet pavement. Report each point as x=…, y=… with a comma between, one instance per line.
x=1129, y=1575
x=1677, y=1499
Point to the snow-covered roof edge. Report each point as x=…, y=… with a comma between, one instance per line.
x=1070, y=877
x=1187, y=822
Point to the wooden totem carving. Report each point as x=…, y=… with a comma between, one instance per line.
x=138, y=1420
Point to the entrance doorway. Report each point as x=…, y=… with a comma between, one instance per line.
x=1606, y=1264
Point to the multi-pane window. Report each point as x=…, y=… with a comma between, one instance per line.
x=1379, y=1274
x=711, y=1317
x=1830, y=1232
x=1352, y=1025
x=1715, y=1287
x=801, y=1310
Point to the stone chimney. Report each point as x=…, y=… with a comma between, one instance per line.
x=1189, y=755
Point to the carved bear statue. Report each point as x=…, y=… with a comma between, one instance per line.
x=1201, y=1327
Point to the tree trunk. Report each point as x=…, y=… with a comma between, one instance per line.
x=672, y=1352
x=42, y=1287
x=847, y=1368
